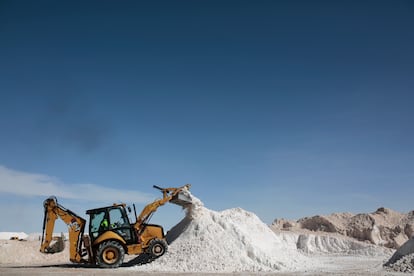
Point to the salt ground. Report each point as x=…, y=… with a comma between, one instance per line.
x=23, y=257
x=231, y=241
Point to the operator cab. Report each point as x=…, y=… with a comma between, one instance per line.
x=112, y=218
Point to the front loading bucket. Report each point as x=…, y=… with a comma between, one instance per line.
x=182, y=199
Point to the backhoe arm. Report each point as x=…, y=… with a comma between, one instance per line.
x=75, y=223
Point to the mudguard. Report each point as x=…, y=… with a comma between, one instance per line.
x=109, y=235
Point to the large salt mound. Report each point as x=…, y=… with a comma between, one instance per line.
x=233, y=240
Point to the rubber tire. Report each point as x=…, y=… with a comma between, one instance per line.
x=110, y=254
x=157, y=248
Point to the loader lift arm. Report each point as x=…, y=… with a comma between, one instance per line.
x=173, y=195
x=75, y=223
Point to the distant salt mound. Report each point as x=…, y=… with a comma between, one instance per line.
x=13, y=235
x=383, y=227
x=233, y=240
x=330, y=244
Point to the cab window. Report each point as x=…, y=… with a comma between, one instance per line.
x=120, y=224
x=97, y=220
x=116, y=218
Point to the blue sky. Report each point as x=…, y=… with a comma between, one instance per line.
x=284, y=108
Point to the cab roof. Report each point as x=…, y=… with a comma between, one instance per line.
x=115, y=205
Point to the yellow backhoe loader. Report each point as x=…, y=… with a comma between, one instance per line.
x=111, y=234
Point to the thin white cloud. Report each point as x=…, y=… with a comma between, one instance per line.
x=31, y=184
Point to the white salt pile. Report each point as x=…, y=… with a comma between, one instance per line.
x=405, y=264
x=26, y=252
x=233, y=240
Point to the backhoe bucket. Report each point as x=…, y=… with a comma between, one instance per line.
x=182, y=199
x=57, y=245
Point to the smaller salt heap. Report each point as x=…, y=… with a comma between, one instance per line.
x=232, y=240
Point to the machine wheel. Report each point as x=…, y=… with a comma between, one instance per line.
x=110, y=254
x=157, y=248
